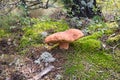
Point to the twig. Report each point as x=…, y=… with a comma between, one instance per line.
x=42, y=73
x=46, y=6
x=114, y=47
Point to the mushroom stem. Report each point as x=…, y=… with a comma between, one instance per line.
x=64, y=45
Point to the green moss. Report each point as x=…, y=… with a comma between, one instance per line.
x=32, y=35
x=108, y=31
x=88, y=43
x=41, y=26
x=23, y=52
x=74, y=66
x=87, y=55
x=24, y=42
x=95, y=35
x=102, y=60
x=74, y=69
x=114, y=39
x=91, y=66
x=3, y=33
x=112, y=25
x=106, y=28
x=98, y=26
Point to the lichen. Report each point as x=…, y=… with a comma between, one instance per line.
x=45, y=57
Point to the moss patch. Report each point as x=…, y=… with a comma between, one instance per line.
x=87, y=66
x=4, y=33
x=32, y=35
x=89, y=62
x=115, y=39
x=88, y=43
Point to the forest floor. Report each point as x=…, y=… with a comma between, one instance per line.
x=17, y=66
x=95, y=56
x=25, y=56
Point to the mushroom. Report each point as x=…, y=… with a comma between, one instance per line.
x=64, y=38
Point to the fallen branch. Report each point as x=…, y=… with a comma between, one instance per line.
x=42, y=73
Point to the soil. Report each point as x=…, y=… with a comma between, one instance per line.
x=22, y=67
x=14, y=66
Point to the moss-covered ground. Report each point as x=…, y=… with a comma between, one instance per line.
x=95, y=56
x=88, y=59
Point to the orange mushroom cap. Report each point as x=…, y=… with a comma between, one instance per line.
x=63, y=37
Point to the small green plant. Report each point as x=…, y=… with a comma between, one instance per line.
x=3, y=33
